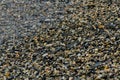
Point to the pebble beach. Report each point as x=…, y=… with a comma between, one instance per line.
x=60, y=40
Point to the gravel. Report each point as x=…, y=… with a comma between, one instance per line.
x=48, y=40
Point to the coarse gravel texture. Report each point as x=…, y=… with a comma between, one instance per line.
x=46, y=40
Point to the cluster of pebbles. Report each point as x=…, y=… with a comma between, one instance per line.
x=44, y=40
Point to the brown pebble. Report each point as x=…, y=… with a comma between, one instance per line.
x=101, y=26
x=106, y=68
x=7, y=74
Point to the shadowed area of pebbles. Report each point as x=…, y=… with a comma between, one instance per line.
x=43, y=40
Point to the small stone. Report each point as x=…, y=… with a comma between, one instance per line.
x=63, y=78
x=17, y=55
x=101, y=26
x=106, y=68
x=96, y=50
x=78, y=54
x=45, y=54
x=48, y=45
x=99, y=76
x=7, y=74
x=119, y=18
x=26, y=79
x=79, y=38
x=47, y=70
x=56, y=72
x=71, y=78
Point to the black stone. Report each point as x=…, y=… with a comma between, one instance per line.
x=44, y=77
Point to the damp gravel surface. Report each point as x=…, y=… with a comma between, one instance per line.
x=59, y=40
